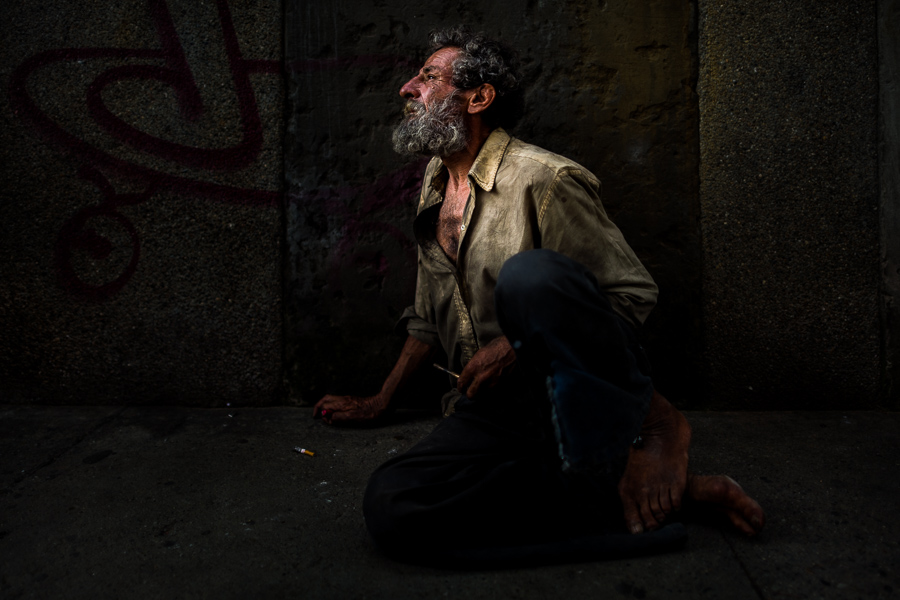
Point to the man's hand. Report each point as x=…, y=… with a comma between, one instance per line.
x=355, y=409
x=349, y=409
x=486, y=367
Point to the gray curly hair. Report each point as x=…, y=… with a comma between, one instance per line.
x=483, y=60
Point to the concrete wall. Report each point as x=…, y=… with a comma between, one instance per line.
x=612, y=86
x=147, y=257
x=889, y=159
x=140, y=222
x=789, y=193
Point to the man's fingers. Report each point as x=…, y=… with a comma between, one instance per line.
x=320, y=405
x=470, y=379
x=326, y=414
x=330, y=406
x=344, y=416
x=334, y=417
x=485, y=380
x=465, y=378
x=473, y=387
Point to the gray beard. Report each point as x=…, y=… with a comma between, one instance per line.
x=440, y=131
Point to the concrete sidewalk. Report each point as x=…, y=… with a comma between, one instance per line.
x=110, y=502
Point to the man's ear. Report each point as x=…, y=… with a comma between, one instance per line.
x=482, y=97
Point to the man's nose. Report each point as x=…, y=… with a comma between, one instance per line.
x=410, y=89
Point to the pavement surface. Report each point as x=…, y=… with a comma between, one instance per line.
x=112, y=502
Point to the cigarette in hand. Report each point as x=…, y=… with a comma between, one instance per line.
x=447, y=371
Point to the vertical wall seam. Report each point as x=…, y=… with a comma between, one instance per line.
x=887, y=18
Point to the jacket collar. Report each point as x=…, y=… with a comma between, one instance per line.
x=487, y=163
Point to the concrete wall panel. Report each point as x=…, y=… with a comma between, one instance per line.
x=789, y=197
x=140, y=224
x=889, y=159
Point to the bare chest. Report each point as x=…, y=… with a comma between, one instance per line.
x=449, y=225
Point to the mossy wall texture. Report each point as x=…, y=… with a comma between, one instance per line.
x=611, y=86
x=789, y=192
x=140, y=223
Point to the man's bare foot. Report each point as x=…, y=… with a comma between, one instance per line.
x=723, y=494
x=656, y=473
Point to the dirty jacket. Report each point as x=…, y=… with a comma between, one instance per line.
x=521, y=197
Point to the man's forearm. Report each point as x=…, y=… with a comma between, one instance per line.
x=415, y=353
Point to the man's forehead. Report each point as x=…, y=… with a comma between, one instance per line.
x=441, y=60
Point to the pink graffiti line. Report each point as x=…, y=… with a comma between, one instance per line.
x=176, y=74
x=77, y=234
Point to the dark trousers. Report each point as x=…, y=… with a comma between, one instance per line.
x=527, y=471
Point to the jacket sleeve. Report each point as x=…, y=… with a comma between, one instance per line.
x=574, y=223
x=418, y=320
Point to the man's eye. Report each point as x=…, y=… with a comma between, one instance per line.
x=430, y=77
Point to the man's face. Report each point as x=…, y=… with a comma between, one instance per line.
x=432, y=82
x=433, y=123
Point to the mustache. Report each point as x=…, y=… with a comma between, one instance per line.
x=411, y=107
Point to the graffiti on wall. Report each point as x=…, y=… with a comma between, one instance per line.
x=168, y=65
x=95, y=231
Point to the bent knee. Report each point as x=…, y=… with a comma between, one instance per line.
x=379, y=511
x=527, y=272
x=393, y=518
x=536, y=274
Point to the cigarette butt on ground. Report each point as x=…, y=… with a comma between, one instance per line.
x=447, y=371
x=304, y=451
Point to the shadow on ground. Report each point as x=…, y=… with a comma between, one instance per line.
x=166, y=502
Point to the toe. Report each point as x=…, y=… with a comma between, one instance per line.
x=675, y=499
x=758, y=521
x=633, y=518
x=649, y=521
x=738, y=521
x=656, y=508
x=665, y=503
x=754, y=515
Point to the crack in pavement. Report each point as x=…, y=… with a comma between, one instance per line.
x=53, y=458
x=753, y=584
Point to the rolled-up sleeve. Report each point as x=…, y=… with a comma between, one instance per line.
x=415, y=319
x=417, y=327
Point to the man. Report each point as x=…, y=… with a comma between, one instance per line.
x=553, y=436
